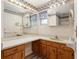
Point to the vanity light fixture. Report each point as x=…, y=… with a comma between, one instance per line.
x=25, y=6
x=12, y=0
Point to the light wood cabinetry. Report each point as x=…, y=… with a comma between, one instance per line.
x=17, y=52
x=53, y=50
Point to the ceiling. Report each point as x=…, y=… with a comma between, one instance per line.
x=63, y=9
x=14, y=8
x=39, y=5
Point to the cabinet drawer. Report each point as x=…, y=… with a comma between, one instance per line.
x=21, y=47
x=69, y=49
x=57, y=45
x=42, y=41
x=9, y=51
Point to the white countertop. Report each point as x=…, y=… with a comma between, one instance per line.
x=14, y=41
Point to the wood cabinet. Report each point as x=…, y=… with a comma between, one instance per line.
x=65, y=54
x=36, y=46
x=52, y=50
x=43, y=50
x=17, y=52
x=61, y=54
x=19, y=55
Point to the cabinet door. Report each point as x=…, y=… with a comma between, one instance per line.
x=64, y=54
x=61, y=54
x=43, y=51
x=7, y=57
x=36, y=47
x=2, y=55
x=69, y=55
x=51, y=52
x=19, y=55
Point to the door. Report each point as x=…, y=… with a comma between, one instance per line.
x=51, y=52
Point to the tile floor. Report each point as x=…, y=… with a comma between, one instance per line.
x=32, y=56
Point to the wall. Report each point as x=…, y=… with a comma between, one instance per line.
x=12, y=24
x=63, y=31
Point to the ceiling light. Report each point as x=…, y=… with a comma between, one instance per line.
x=27, y=7
x=63, y=2
x=20, y=4
x=51, y=6
x=12, y=0
x=54, y=5
x=58, y=4
x=17, y=2
x=24, y=5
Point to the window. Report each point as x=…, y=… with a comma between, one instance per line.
x=44, y=21
x=33, y=20
x=43, y=17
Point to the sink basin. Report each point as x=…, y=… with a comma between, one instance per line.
x=18, y=41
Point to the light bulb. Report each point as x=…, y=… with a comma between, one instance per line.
x=24, y=5
x=58, y=4
x=17, y=2
x=20, y=4
x=12, y=0
x=54, y=5
x=51, y=6
x=63, y=2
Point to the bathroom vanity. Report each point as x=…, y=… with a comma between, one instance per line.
x=41, y=46
x=52, y=50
